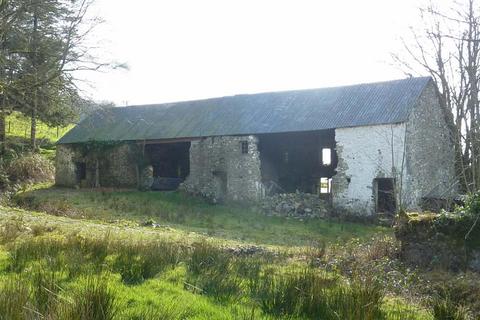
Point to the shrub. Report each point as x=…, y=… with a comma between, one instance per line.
x=11, y=229
x=31, y=168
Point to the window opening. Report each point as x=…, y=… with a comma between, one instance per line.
x=325, y=185
x=244, y=147
x=326, y=156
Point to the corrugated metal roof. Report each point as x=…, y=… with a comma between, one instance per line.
x=288, y=111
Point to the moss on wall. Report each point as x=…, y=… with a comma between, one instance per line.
x=449, y=240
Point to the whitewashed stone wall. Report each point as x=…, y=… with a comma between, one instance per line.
x=419, y=154
x=365, y=153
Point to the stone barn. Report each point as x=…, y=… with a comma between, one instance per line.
x=367, y=148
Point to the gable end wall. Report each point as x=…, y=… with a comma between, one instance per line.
x=430, y=164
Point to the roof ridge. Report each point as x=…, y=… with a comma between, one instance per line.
x=276, y=92
x=364, y=104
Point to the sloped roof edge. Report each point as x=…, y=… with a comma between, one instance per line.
x=271, y=112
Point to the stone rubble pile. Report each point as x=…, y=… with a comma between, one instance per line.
x=246, y=250
x=299, y=205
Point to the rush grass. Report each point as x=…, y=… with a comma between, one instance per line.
x=53, y=275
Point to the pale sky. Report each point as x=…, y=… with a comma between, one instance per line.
x=189, y=49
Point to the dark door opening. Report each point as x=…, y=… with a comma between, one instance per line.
x=80, y=171
x=170, y=163
x=386, y=202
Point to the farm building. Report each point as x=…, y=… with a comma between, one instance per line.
x=365, y=147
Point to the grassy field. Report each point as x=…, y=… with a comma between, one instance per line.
x=17, y=125
x=18, y=135
x=64, y=268
x=188, y=214
x=169, y=256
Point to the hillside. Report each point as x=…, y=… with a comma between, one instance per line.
x=166, y=265
x=17, y=125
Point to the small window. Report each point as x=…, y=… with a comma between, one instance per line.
x=325, y=185
x=326, y=156
x=244, y=147
x=286, y=157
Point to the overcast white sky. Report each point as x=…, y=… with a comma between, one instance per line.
x=190, y=49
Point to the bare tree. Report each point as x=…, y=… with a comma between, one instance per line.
x=448, y=49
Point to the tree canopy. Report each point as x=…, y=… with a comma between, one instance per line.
x=42, y=44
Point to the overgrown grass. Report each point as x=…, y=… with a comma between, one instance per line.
x=51, y=274
x=173, y=209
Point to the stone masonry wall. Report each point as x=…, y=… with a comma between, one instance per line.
x=65, y=166
x=116, y=167
x=365, y=153
x=119, y=167
x=438, y=240
x=220, y=171
x=425, y=160
x=430, y=153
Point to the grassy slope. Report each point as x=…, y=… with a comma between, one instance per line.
x=18, y=133
x=186, y=214
x=19, y=126
x=165, y=294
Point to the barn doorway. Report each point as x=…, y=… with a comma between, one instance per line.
x=385, y=195
x=298, y=161
x=170, y=163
